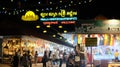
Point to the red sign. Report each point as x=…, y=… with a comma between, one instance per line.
x=68, y=22
x=50, y=23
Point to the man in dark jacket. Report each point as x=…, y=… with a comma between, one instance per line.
x=44, y=59
x=15, y=60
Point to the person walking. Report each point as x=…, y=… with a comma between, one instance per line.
x=36, y=57
x=15, y=60
x=29, y=59
x=44, y=59
x=60, y=59
x=116, y=54
x=25, y=60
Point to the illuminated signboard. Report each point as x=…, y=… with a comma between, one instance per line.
x=50, y=23
x=30, y=16
x=68, y=22
x=60, y=19
x=50, y=16
x=56, y=22
x=62, y=13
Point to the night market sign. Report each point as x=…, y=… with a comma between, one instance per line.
x=50, y=16
x=56, y=22
x=62, y=13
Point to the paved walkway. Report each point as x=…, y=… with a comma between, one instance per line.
x=7, y=65
x=4, y=65
x=33, y=65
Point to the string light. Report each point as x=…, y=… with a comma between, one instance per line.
x=50, y=2
x=38, y=26
x=11, y=0
x=18, y=10
x=71, y=1
x=60, y=1
x=39, y=2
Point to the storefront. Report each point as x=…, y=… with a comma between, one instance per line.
x=12, y=44
x=107, y=33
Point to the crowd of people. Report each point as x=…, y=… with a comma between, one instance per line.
x=49, y=59
x=25, y=60
x=61, y=58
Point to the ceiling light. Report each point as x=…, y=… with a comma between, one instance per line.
x=60, y=26
x=42, y=9
x=90, y=0
x=38, y=26
x=71, y=1
x=58, y=33
x=65, y=31
x=69, y=4
x=54, y=35
x=60, y=1
x=48, y=26
x=39, y=2
x=11, y=0
x=85, y=2
x=60, y=37
x=56, y=7
x=37, y=10
x=50, y=2
x=79, y=2
x=50, y=8
x=65, y=6
x=65, y=40
x=45, y=31
x=3, y=8
x=47, y=8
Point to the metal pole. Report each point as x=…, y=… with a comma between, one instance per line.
x=91, y=56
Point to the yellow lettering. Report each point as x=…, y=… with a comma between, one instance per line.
x=62, y=13
x=55, y=14
x=74, y=13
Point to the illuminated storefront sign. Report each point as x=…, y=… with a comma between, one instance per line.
x=59, y=16
x=68, y=22
x=50, y=16
x=62, y=13
x=50, y=23
x=56, y=22
x=30, y=16
x=53, y=19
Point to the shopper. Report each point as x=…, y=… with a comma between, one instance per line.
x=15, y=60
x=29, y=59
x=61, y=59
x=44, y=59
x=25, y=60
x=116, y=54
x=64, y=56
x=36, y=57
